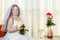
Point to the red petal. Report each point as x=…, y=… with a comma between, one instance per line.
x=48, y=14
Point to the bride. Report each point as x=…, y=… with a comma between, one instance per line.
x=12, y=28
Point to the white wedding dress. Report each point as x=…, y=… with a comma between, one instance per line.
x=16, y=35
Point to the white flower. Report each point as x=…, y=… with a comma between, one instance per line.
x=19, y=25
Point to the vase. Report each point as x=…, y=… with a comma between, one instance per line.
x=49, y=33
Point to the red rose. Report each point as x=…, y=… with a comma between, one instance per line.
x=49, y=15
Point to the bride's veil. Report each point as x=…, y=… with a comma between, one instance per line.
x=6, y=18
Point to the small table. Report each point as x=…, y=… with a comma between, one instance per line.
x=54, y=38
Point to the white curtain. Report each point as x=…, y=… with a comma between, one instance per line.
x=33, y=13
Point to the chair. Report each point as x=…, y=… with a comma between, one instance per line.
x=2, y=33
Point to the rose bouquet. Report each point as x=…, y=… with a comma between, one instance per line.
x=22, y=31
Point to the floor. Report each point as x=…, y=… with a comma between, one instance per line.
x=55, y=38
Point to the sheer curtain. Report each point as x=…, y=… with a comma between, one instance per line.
x=33, y=13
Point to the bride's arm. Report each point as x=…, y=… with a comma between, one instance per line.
x=9, y=28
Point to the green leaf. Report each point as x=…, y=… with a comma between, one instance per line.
x=50, y=22
x=22, y=31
